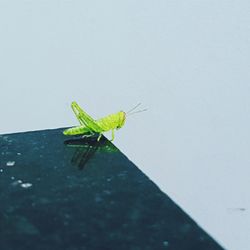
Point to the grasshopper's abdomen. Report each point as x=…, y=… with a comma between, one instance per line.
x=79, y=130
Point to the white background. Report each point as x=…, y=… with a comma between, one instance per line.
x=187, y=61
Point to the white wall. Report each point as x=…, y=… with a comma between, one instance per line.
x=187, y=61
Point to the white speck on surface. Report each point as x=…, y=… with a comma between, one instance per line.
x=165, y=243
x=15, y=183
x=12, y=178
x=10, y=163
x=18, y=153
x=1, y=170
x=26, y=185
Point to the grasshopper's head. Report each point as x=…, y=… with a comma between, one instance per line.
x=121, y=120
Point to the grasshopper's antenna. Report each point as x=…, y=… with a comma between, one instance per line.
x=137, y=105
x=131, y=111
x=137, y=111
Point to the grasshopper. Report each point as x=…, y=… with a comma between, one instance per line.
x=89, y=126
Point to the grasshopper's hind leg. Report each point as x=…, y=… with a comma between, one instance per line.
x=85, y=119
x=113, y=134
x=78, y=113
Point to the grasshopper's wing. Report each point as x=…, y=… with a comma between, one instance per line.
x=85, y=119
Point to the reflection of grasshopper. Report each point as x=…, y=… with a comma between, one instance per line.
x=89, y=126
x=86, y=148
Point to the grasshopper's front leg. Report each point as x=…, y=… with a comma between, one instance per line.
x=99, y=137
x=113, y=134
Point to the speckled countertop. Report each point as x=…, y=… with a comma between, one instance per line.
x=80, y=194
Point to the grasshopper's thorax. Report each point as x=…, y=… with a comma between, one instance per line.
x=114, y=121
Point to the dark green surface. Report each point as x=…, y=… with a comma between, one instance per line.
x=84, y=195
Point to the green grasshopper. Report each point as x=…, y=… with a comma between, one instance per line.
x=89, y=126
